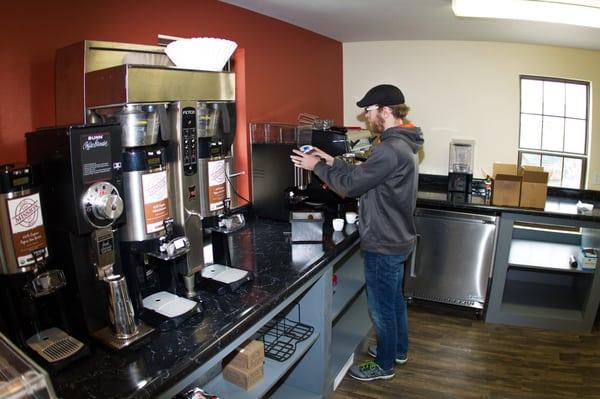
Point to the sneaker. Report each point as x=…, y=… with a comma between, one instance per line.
x=400, y=359
x=369, y=371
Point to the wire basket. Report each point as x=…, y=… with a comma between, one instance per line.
x=281, y=336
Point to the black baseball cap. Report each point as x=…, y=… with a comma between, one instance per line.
x=382, y=95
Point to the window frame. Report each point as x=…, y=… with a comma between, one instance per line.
x=563, y=154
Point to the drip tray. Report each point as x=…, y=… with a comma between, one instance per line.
x=54, y=345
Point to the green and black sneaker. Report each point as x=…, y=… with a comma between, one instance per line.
x=369, y=371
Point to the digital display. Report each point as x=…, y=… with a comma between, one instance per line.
x=19, y=181
x=153, y=161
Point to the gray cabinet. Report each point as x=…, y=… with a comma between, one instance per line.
x=340, y=321
x=533, y=282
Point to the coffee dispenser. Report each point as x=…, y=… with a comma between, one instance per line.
x=30, y=291
x=81, y=170
x=149, y=248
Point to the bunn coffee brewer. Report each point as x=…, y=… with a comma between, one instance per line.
x=32, y=294
x=150, y=250
x=81, y=170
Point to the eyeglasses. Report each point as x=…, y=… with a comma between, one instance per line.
x=371, y=108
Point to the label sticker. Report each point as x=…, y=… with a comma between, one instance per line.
x=27, y=228
x=156, y=200
x=216, y=184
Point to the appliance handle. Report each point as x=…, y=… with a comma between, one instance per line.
x=165, y=124
x=413, y=258
x=236, y=174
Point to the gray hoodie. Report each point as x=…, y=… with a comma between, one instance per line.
x=387, y=186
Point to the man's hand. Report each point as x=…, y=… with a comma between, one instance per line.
x=323, y=155
x=304, y=161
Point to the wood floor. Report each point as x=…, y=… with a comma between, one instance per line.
x=457, y=357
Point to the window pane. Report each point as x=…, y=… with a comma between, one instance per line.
x=531, y=96
x=553, y=133
x=530, y=159
x=576, y=101
x=553, y=165
x=575, y=135
x=572, y=173
x=531, y=131
x=554, y=98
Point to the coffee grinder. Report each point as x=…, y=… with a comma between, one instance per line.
x=81, y=170
x=460, y=166
x=31, y=293
x=149, y=248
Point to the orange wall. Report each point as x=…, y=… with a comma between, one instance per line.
x=287, y=69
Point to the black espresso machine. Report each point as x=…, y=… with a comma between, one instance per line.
x=279, y=187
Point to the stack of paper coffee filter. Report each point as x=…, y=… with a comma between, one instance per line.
x=202, y=53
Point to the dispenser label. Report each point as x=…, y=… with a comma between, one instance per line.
x=27, y=226
x=96, y=159
x=156, y=200
x=216, y=184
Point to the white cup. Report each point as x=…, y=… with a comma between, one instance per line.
x=351, y=217
x=338, y=224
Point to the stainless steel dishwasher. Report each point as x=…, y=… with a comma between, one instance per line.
x=453, y=258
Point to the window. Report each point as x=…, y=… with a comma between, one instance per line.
x=554, y=128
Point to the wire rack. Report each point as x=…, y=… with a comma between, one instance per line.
x=281, y=336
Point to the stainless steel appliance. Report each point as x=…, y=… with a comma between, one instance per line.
x=453, y=258
x=30, y=292
x=190, y=95
x=81, y=170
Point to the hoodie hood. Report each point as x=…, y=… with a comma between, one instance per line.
x=409, y=133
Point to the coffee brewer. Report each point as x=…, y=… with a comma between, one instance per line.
x=81, y=170
x=149, y=248
x=31, y=293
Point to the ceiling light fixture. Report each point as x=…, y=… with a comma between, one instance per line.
x=575, y=12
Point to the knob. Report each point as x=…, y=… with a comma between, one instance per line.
x=108, y=207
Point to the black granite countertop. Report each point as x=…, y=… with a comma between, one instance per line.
x=165, y=357
x=561, y=203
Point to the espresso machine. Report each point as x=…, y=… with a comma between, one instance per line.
x=81, y=170
x=32, y=294
x=150, y=250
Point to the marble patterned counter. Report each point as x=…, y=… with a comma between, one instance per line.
x=166, y=357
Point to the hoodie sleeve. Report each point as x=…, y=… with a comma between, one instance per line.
x=357, y=180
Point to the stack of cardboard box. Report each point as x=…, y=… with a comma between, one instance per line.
x=244, y=367
x=525, y=187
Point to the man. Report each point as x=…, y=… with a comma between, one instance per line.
x=387, y=186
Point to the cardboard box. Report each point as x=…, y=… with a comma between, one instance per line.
x=506, y=189
x=588, y=259
x=248, y=356
x=534, y=187
x=245, y=379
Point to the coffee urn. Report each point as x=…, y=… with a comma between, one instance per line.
x=81, y=170
x=31, y=293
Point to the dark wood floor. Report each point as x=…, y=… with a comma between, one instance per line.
x=454, y=356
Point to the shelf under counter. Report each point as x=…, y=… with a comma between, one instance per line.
x=551, y=256
x=272, y=371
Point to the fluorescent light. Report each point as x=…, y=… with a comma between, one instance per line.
x=576, y=12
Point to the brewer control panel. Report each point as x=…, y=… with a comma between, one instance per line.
x=189, y=143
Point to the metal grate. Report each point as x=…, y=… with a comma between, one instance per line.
x=281, y=335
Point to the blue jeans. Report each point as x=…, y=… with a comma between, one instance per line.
x=384, y=275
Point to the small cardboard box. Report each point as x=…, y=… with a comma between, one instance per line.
x=534, y=187
x=588, y=259
x=507, y=185
x=245, y=379
x=248, y=356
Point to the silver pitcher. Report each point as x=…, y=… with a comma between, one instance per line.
x=120, y=308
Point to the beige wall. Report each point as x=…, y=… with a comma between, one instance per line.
x=459, y=89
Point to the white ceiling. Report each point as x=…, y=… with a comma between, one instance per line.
x=372, y=20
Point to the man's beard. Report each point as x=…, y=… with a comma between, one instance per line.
x=377, y=126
